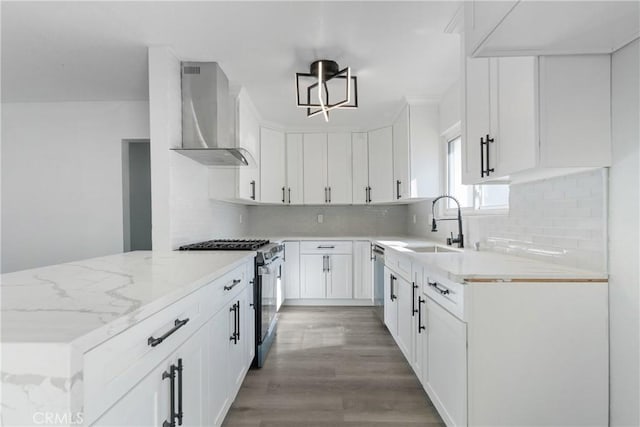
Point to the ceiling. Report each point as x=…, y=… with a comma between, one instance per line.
x=79, y=51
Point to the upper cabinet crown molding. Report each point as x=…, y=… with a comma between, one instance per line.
x=518, y=27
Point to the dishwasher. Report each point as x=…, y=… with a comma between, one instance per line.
x=378, y=280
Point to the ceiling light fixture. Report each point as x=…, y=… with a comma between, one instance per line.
x=325, y=76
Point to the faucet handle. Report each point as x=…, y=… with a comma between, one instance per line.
x=450, y=240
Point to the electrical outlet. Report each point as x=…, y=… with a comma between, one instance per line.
x=414, y=218
x=320, y=218
x=240, y=218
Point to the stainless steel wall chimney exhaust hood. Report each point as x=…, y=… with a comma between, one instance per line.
x=207, y=134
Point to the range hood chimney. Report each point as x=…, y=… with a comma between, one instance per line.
x=207, y=134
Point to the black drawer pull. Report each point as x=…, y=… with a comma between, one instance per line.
x=438, y=288
x=413, y=299
x=421, y=327
x=393, y=295
x=233, y=284
x=176, y=325
x=171, y=374
x=179, y=414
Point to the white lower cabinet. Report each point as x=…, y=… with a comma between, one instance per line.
x=362, y=270
x=446, y=363
x=405, y=316
x=390, y=302
x=291, y=273
x=312, y=276
x=326, y=276
x=200, y=374
x=339, y=276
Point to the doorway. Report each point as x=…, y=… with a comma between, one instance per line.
x=136, y=195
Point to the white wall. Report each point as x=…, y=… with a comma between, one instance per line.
x=624, y=234
x=449, y=108
x=181, y=209
x=62, y=179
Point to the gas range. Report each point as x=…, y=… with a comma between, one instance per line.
x=225, y=245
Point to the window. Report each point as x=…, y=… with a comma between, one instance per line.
x=479, y=197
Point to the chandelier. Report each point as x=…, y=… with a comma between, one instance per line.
x=324, y=79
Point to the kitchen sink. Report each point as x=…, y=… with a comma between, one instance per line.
x=431, y=249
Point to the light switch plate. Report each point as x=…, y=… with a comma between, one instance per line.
x=320, y=218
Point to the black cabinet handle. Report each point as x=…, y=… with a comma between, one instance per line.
x=393, y=296
x=482, y=171
x=179, y=369
x=282, y=194
x=413, y=299
x=176, y=325
x=398, y=182
x=171, y=374
x=253, y=190
x=233, y=336
x=438, y=288
x=238, y=324
x=329, y=194
x=289, y=195
x=421, y=327
x=489, y=168
x=370, y=194
x=232, y=285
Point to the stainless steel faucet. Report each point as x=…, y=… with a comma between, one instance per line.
x=450, y=240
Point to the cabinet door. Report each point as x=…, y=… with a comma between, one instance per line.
x=315, y=168
x=401, y=184
x=340, y=276
x=362, y=271
x=360, y=167
x=339, y=178
x=405, y=317
x=517, y=104
x=447, y=356
x=248, y=135
x=291, y=270
x=147, y=404
x=218, y=358
x=381, y=165
x=477, y=117
x=195, y=372
x=294, y=169
x=390, y=302
x=237, y=358
x=272, y=166
x=313, y=276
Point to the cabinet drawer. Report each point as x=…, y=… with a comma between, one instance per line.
x=447, y=293
x=399, y=264
x=221, y=291
x=114, y=367
x=326, y=247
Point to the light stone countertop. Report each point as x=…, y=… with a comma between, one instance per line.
x=85, y=302
x=470, y=265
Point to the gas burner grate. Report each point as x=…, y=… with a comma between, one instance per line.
x=225, y=245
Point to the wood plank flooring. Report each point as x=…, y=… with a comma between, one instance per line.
x=332, y=366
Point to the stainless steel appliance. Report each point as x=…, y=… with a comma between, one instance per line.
x=208, y=117
x=378, y=280
x=268, y=272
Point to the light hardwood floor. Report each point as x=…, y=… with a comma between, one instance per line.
x=332, y=366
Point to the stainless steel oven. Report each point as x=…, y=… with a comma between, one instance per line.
x=268, y=275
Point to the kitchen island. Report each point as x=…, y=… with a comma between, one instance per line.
x=77, y=337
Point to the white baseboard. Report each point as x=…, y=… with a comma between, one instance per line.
x=329, y=302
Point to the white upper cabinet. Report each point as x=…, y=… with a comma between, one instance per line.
x=327, y=168
x=315, y=168
x=515, y=28
x=360, y=168
x=530, y=117
x=416, y=148
x=272, y=166
x=294, y=169
x=401, y=155
x=247, y=131
x=339, y=181
x=381, y=165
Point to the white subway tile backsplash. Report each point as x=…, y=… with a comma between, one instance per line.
x=560, y=220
